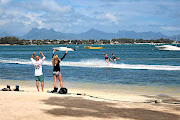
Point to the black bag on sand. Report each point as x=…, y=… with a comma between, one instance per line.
x=6, y=89
x=63, y=91
x=17, y=88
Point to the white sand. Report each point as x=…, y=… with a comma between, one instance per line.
x=96, y=104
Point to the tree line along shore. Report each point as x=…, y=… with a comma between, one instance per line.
x=16, y=41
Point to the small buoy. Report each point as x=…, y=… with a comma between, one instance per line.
x=158, y=101
x=83, y=94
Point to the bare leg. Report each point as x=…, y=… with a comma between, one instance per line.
x=60, y=80
x=55, y=80
x=115, y=61
x=107, y=61
x=37, y=85
x=42, y=85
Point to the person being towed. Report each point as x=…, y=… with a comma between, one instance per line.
x=56, y=70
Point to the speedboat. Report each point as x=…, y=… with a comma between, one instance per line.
x=90, y=47
x=168, y=47
x=64, y=49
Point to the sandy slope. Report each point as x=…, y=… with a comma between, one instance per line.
x=31, y=105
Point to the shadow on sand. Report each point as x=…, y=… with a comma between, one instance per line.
x=165, y=98
x=79, y=107
x=171, y=102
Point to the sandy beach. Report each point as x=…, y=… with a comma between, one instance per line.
x=91, y=104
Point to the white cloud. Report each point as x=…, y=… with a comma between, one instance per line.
x=3, y=22
x=47, y=6
x=80, y=15
x=52, y=6
x=170, y=28
x=34, y=18
x=2, y=2
x=108, y=17
x=111, y=18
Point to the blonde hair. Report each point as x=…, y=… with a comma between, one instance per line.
x=55, y=60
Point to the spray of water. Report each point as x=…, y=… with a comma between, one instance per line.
x=96, y=63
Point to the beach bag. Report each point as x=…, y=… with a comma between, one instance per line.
x=7, y=89
x=17, y=88
x=63, y=91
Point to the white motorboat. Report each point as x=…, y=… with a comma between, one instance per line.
x=168, y=47
x=64, y=49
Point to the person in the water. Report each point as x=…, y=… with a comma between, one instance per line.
x=56, y=70
x=107, y=59
x=114, y=58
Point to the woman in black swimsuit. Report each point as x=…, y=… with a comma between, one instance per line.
x=56, y=70
x=114, y=58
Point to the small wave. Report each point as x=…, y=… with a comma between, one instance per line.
x=96, y=63
x=146, y=59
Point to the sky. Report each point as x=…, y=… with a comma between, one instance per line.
x=18, y=17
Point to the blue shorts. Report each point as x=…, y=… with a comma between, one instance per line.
x=39, y=78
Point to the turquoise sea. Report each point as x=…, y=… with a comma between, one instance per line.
x=140, y=66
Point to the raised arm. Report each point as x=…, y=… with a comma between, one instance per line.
x=41, y=54
x=53, y=53
x=33, y=55
x=64, y=55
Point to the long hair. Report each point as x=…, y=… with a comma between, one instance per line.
x=55, y=60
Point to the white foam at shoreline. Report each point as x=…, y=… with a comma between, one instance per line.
x=96, y=63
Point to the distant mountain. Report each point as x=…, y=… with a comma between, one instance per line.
x=44, y=33
x=96, y=34
x=4, y=34
x=175, y=37
x=141, y=35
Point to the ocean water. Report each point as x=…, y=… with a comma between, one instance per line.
x=140, y=66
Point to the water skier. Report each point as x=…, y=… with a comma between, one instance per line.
x=114, y=58
x=107, y=59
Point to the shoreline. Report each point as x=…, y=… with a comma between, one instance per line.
x=106, y=91
x=116, y=88
x=90, y=44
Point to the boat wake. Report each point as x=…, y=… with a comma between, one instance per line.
x=96, y=63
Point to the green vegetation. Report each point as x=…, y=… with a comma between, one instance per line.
x=16, y=41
